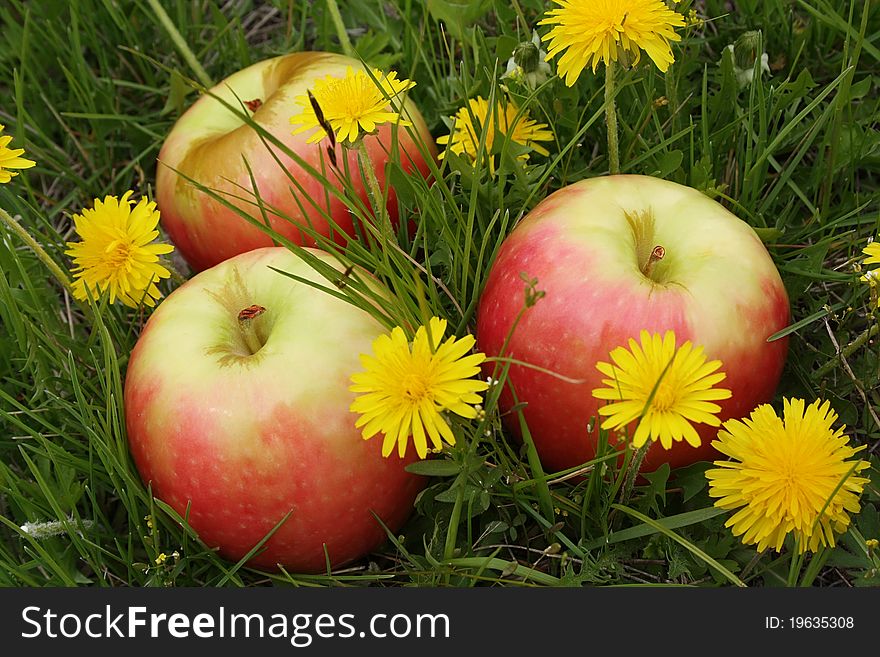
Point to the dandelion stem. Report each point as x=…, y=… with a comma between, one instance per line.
x=817, y=562
x=46, y=259
x=611, y=120
x=454, y=518
x=374, y=190
x=847, y=351
x=341, y=32
x=796, y=563
x=633, y=471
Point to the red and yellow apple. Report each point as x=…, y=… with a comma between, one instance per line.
x=239, y=422
x=588, y=245
x=212, y=145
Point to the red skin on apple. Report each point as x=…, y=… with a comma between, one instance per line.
x=716, y=286
x=210, y=144
x=245, y=438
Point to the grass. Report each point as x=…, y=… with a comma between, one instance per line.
x=93, y=87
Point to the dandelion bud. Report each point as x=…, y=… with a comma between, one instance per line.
x=527, y=56
x=746, y=49
x=745, y=53
x=527, y=64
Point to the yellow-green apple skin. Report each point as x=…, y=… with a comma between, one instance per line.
x=236, y=440
x=213, y=146
x=587, y=245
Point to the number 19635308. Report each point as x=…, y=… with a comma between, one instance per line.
x=809, y=623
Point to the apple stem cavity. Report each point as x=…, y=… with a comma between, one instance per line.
x=657, y=254
x=248, y=324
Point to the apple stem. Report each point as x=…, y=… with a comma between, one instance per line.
x=657, y=254
x=247, y=322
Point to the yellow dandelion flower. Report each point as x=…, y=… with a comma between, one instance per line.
x=873, y=253
x=115, y=253
x=470, y=122
x=788, y=475
x=10, y=158
x=403, y=391
x=872, y=276
x=586, y=32
x=351, y=105
x=667, y=388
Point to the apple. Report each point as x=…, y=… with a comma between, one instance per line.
x=240, y=422
x=588, y=245
x=210, y=144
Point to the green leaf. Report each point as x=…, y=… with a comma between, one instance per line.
x=458, y=14
x=671, y=522
x=403, y=187
x=373, y=48
x=692, y=479
x=669, y=163
x=496, y=527
x=434, y=468
x=768, y=235
x=450, y=495
x=693, y=549
x=657, y=487
x=861, y=88
x=869, y=521
x=177, y=93
x=506, y=568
